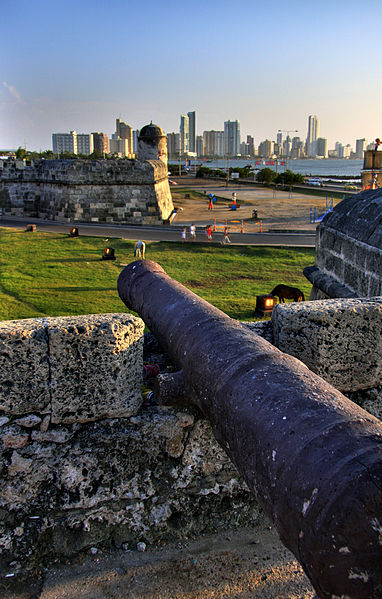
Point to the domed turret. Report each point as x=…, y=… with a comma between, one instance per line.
x=152, y=143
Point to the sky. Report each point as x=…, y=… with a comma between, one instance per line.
x=80, y=64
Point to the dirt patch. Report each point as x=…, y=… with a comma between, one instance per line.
x=238, y=564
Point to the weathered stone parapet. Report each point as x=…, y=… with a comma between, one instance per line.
x=349, y=249
x=120, y=191
x=73, y=369
x=341, y=340
x=157, y=475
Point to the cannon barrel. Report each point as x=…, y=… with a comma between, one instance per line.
x=311, y=456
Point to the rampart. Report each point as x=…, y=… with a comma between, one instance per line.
x=111, y=191
x=85, y=463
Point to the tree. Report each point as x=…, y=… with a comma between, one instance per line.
x=21, y=153
x=266, y=175
x=289, y=178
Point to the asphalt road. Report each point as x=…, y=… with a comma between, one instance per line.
x=162, y=233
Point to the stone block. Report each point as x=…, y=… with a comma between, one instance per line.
x=350, y=277
x=159, y=475
x=96, y=365
x=375, y=286
x=374, y=261
x=339, y=339
x=24, y=367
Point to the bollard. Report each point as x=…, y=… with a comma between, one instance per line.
x=311, y=456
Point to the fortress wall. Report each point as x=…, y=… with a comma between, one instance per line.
x=354, y=263
x=121, y=191
x=338, y=339
x=84, y=463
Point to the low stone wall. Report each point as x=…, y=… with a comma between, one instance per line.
x=121, y=191
x=349, y=249
x=339, y=339
x=83, y=462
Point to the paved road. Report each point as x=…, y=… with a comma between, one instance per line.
x=158, y=233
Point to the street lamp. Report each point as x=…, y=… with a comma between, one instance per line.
x=287, y=131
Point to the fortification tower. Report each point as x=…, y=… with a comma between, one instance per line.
x=152, y=143
x=372, y=169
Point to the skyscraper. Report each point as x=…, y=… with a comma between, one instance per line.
x=65, y=142
x=322, y=147
x=184, y=130
x=360, y=147
x=101, y=142
x=232, y=138
x=124, y=131
x=313, y=130
x=192, y=131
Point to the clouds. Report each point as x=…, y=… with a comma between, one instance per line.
x=13, y=92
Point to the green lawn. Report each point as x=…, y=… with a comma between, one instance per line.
x=47, y=274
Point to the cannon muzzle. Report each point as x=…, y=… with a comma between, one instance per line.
x=311, y=456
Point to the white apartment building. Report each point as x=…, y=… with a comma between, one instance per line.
x=119, y=146
x=64, y=142
x=313, y=131
x=85, y=143
x=360, y=147
x=184, y=130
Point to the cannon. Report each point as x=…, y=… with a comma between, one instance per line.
x=312, y=457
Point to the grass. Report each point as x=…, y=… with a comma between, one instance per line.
x=48, y=274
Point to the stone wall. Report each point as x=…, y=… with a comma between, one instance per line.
x=349, y=249
x=340, y=340
x=121, y=191
x=83, y=462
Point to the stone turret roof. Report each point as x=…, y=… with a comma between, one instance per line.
x=359, y=217
x=151, y=131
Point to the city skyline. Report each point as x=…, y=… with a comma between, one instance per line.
x=77, y=66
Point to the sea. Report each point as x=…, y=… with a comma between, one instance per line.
x=314, y=168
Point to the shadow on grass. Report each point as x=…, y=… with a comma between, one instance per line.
x=86, y=259
x=77, y=289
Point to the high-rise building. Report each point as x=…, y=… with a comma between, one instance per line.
x=119, y=146
x=184, y=130
x=322, y=147
x=339, y=149
x=210, y=143
x=266, y=148
x=85, y=143
x=251, y=145
x=172, y=144
x=124, y=131
x=135, y=141
x=219, y=145
x=100, y=142
x=279, y=139
x=287, y=146
x=313, y=131
x=232, y=138
x=192, y=131
x=297, y=148
x=360, y=147
x=199, y=145
x=64, y=142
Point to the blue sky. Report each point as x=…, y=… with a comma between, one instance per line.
x=80, y=64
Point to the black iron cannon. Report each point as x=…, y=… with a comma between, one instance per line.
x=311, y=456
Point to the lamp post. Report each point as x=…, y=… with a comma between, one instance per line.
x=287, y=131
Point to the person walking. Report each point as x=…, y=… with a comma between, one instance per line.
x=184, y=234
x=210, y=202
x=209, y=232
x=193, y=232
x=226, y=235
